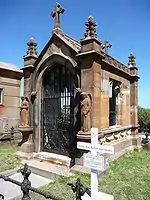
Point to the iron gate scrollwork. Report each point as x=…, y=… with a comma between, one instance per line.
x=58, y=111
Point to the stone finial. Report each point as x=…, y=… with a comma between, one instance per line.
x=31, y=47
x=131, y=60
x=106, y=46
x=55, y=14
x=90, y=28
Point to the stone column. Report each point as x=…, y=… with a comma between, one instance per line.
x=104, y=100
x=27, y=144
x=119, y=109
x=90, y=58
x=133, y=94
x=29, y=60
x=125, y=104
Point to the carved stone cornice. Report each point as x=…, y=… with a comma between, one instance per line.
x=115, y=63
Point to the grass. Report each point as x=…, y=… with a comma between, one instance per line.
x=128, y=178
x=8, y=159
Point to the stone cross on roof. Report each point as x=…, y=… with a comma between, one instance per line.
x=91, y=28
x=55, y=14
x=106, y=46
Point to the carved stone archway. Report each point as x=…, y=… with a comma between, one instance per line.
x=47, y=67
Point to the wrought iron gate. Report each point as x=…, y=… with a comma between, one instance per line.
x=58, y=111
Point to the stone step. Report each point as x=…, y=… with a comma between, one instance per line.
x=47, y=169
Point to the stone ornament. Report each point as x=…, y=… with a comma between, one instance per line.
x=33, y=96
x=32, y=47
x=86, y=104
x=56, y=15
x=90, y=28
x=131, y=60
x=106, y=46
x=115, y=136
x=24, y=111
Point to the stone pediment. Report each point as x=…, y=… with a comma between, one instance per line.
x=59, y=44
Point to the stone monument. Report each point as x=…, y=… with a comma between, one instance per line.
x=52, y=80
x=26, y=144
x=85, y=106
x=24, y=111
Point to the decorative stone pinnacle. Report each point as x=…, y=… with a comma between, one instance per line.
x=55, y=14
x=90, y=28
x=32, y=47
x=131, y=60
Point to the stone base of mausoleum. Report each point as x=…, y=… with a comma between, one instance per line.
x=121, y=147
x=48, y=164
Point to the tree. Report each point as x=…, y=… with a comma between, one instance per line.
x=144, y=119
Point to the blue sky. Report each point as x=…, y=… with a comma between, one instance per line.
x=126, y=24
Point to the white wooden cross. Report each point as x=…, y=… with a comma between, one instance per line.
x=92, y=160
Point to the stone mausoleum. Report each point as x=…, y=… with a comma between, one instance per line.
x=10, y=79
x=72, y=86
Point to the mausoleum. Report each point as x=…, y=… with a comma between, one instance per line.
x=10, y=79
x=71, y=86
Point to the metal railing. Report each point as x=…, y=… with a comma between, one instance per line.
x=26, y=187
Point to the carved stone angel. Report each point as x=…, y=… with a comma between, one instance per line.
x=86, y=103
x=24, y=112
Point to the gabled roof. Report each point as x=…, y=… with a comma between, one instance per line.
x=76, y=46
x=69, y=41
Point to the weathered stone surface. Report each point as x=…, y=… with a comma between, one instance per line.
x=93, y=70
x=3, y=124
x=9, y=109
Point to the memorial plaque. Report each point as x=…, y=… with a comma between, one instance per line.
x=94, y=161
x=99, y=148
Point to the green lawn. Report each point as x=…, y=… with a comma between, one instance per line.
x=128, y=178
x=8, y=159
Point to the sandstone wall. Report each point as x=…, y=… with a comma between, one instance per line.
x=9, y=110
x=122, y=101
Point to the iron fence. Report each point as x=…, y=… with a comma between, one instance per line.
x=26, y=187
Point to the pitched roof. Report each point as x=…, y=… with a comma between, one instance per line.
x=11, y=67
x=71, y=42
x=74, y=44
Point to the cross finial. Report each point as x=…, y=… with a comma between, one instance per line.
x=90, y=28
x=106, y=46
x=55, y=14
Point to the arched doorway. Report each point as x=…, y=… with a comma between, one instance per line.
x=58, y=135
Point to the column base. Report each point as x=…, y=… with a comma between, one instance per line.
x=26, y=145
x=136, y=142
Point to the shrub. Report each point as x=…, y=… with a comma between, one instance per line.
x=144, y=119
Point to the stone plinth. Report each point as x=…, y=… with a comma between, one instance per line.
x=26, y=145
x=86, y=136
x=54, y=158
x=121, y=147
x=60, y=162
